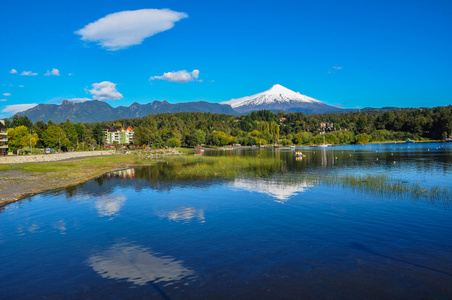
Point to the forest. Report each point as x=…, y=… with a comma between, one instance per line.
x=191, y=129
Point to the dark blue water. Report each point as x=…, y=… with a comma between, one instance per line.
x=134, y=235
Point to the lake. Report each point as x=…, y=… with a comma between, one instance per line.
x=143, y=233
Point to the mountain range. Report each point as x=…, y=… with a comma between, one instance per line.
x=277, y=98
x=98, y=111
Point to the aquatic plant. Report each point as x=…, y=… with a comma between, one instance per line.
x=231, y=167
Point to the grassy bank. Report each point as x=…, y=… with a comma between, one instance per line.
x=21, y=180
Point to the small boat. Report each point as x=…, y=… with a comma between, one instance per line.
x=324, y=144
x=299, y=154
x=408, y=141
x=448, y=140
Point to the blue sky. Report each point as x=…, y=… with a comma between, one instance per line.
x=345, y=53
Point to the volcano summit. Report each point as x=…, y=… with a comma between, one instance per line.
x=280, y=98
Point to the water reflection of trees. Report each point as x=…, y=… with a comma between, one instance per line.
x=272, y=171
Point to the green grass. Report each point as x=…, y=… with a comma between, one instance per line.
x=186, y=150
x=202, y=167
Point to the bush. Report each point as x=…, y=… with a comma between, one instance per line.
x=173, y=142
x=362, y=138
x=286, y=142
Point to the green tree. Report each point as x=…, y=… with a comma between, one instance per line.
x=54, y=136
x=223, y=138
x=19, y=137
x=173, y=142
x=21, y=121
x=212, y=140
x=274, y=130
x=195, y=137
x=81, y=131
x=362, y=138
x=70, y=131
x=303, y=138
x=98, y=134
x=286, y=142
x=142, y=136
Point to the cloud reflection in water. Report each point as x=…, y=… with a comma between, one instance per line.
x=109, y=205
x=138, y=265
x=183, y=214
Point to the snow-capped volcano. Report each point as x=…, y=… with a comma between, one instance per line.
x=277, y=94
x=280, y=98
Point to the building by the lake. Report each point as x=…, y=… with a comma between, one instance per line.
x=3, y=139
x=121, y=135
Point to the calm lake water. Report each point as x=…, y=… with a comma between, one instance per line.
x=137, y=234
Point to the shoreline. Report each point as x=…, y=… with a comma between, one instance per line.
x=40, y=158
x=22, y=180
x=310, y=145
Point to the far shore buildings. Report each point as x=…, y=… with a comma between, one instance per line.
x=121, y=135
x=3, y=139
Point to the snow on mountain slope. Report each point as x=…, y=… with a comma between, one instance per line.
x=277, y=94
x=280, y=98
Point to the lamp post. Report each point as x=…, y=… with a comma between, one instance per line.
x=31, y=146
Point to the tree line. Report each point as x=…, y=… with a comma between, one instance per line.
x=263, y=127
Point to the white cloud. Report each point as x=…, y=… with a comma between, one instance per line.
x=79, y=99
x=54, y=72
x=21, y=85
x=6, y=94
x=28, y=73
x=337, y=68
x=1, y=100
x=70, y=74
x=105, y=90
x=127, y=28
x=13, y=71
x=179, y=76
x=13, y=109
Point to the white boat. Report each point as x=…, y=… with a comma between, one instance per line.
x=448, y=140
x=408, y=141
x=324, y=144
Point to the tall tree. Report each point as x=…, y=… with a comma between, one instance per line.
x=21, y=121
x=54, y=136
x=98, y=134
x=70, y=131
x=81, y=131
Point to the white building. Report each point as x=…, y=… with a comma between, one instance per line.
x=121, y=135
x=3, y=139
